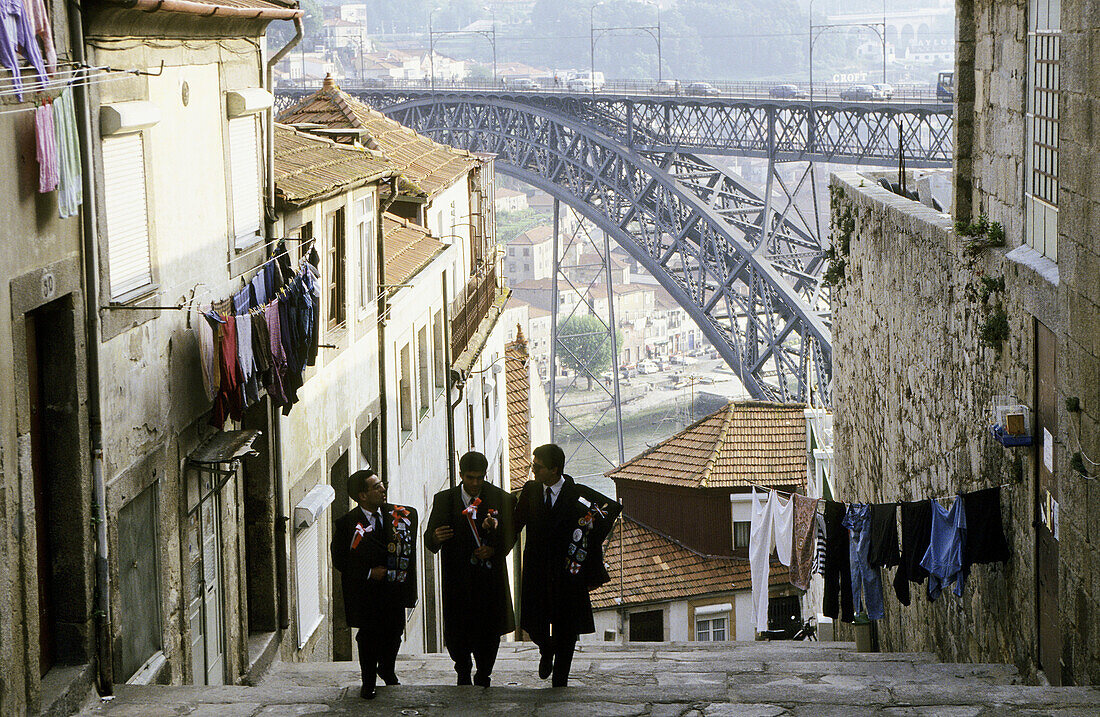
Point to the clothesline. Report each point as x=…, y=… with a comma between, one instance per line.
x=941, y=497
x=80, y=83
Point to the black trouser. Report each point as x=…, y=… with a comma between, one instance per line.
x=482, y=648
x=377, y=653
x=561, y=646
x=838, y=572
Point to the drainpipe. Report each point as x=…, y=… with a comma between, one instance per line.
x=451, y=467
x=104, y=658
x=269, y=138
x=281, y=597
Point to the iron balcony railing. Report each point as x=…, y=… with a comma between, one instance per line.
x=471, y=307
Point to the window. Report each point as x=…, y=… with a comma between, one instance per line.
x=305, y=236
x=527, y=251
x=647, y=626
x=440, y=358
x=337, y=311
x=244, y=173
x=424, y=379
x=125, y=210
x=1041, y=175
x=405, y=394
x=368, y=279
x=741, y=534
x=711, y=629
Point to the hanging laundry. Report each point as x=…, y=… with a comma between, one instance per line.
x=278, y=358
x=770, y=528
x=819, y=548
x=40, y=24
x=17, y=36
x=259, y=290
x=803, y=543
x=227, y=403
x=838, y=573
x=944, y=560
x=250, y=383
x=46, y=145
x=208, y=350
x=70, y=184
x=985, y=535
x=916, y=533
x=261, y=348
x=885, y=552
x=314, y=285
x=866, y=584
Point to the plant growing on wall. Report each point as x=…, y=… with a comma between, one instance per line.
x=843, y=225
x=981, y=234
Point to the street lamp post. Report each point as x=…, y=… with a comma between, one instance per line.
x=657, y=5
x=431, y=47
x=592, y=46
x=493, y=15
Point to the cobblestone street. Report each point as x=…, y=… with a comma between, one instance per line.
x=661, y=680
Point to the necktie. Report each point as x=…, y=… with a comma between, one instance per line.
x=549, y=501
x=377, y=518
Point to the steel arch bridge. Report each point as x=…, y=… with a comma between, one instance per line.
x=745, y=267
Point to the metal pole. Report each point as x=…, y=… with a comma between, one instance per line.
x=431, y=58
x=614, y=346
x=554, y=331
x=659, y=44
x=494, y=50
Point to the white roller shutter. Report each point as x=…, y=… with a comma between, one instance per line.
x=245, y=175
x=307, y=576
x=127, y=219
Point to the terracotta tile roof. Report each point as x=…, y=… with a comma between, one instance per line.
x=517, y=387
x=430, y=165
x=251, y=9
x=653, y=567
x=745, y=443
x=534, y=235
x=408, y=248
x=309, y=168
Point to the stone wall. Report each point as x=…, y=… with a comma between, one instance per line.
x=912, y=386
x=916, y=364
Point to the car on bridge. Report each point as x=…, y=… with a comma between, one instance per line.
x=667, y=87
x=883, y=91
x=859, y=93
x=787, y=92
x=523, y=83
x=701, y=88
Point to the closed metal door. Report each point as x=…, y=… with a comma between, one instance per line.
x=1046, y=507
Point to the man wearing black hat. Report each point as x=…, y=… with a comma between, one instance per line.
x=374, y=548
x=471, y=526
x=566, y=525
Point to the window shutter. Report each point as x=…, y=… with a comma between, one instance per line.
x=245, y=176
x=307, y=576
x=127, y=220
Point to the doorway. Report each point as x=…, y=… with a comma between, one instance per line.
x=1046, y=507
x=53, y=400
x=205, y=616
x=259, y=519
x=341, y=633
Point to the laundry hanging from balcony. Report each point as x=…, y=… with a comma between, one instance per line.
x=261, y=339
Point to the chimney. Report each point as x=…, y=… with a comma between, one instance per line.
x=329, y=83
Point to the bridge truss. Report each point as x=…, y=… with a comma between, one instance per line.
x=746, y=265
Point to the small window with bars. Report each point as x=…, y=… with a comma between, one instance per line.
x=337, y=289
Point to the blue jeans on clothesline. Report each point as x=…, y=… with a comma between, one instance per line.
x=865, y=579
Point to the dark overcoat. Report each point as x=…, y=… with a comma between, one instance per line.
x=553, y=589
x=376, y=604
x=476, y=598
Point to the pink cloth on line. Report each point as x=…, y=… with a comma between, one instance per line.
x=46, y=141
x=40, y=24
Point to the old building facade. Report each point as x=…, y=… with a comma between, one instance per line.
x=939, y=319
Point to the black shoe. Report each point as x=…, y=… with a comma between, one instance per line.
x=546, y=665
x=559, y=683
x=390, y=679
x=481, y=680
x=367, y=693
x=464, y=679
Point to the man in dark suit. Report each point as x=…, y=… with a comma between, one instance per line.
x=374, y=548
x=562, y=559
x=471, y=525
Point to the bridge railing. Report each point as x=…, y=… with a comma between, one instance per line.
x=823, y=91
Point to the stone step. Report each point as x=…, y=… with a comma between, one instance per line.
x=657, y=680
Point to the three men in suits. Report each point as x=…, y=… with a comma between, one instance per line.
x=470, y=525
x=562, y=559
x=374, y=548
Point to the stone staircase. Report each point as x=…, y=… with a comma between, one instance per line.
x=658, y=680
